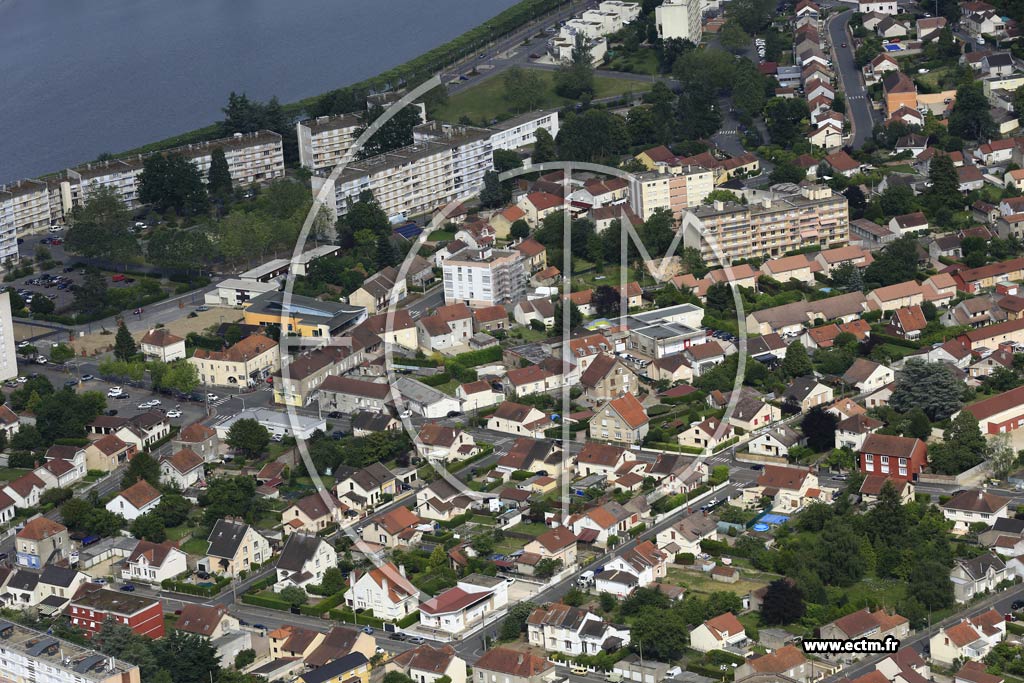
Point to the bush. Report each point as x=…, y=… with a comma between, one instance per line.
x=409, y=620
x=685, y=558
x=365, y=619
x=436, y=380
x=268, y=601
x=471, y=359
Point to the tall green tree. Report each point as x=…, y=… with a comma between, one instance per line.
x=170, y=181
x=576, y=79
x=819, y=426
x=99, y=228
x=142, y=466
x=248, y=436
x=544, y=148
x=218, y=178
x=971, y=118
x=124, y=344
x=524, y=88
x=796, y=362
x=945, y=183
x=395, y=133
x=932, y=387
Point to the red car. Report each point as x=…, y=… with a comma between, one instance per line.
x=56, y=242
x=117, y=278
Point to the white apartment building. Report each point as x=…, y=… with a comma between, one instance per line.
x=679, y=19
x=521, y=131
x=676, y=189
x=24, y=210
x=8, y=345
x=252, y=158
x=445, y=163
x=790, y=218
x=29, y=656
x=484, y=277
x=325, y=140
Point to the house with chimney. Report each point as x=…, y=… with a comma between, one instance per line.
x=397, y=528
x=303, y=561
x=154, y=562
x=437, y=443
x=199, y=439
x=719, y=633
x=786, y=663
x=160, y=345
x=573, y=631
x=637, y=567
x=505, y=665
x=40, y=542
x=708, y=433
x=182, y=469
x=789, y=488
x=208, y=621
x=135, y=501
x=383, y=589
x=557, y=544
x=313, y=513
x=968, y=639
x=427, y=663
x=685, y=536
x=977, y=575
x=465, y=605
x=877, y=625
x=234, y=547
x=622, y=420
x=899, y=457
x=519, y=420
x=974, y=506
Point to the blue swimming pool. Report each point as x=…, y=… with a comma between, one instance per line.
x=760, y=526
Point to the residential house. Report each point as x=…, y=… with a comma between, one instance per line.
x=871, y=488
x=789, y=488
x=182, y=469
x=25, y=490
x=641, y=566
x=438, y=443
x=977, y=575
x=40, y=542
x=478, y=395
x=209, y=621
x=807, y=392
x=908, y=322
x=558, y=544
x=867, y=376
x=447, y=327
x=608, y=378
x=865, y=624
x=395, y=528
x=505, y=665
x=246, y=363
x=786, y=663
x=573, y=631
x=898, y=457
x=968, y=639
x=199, y=439
x=234, y=547
x=599, y=458
x=775, y=442
x=313, y=513
x=379, y=290
x=750, y=412
x=599, y=524
x=686, y=535
x=526, y=311
x=303, y=561
x=89, y=610
x=622, y=419
x=707, y=434
x=442, y=501
x=1000, y=413
x=135, y=501
x=160, y=345
x=383, y=589
x=852, y=431
x=154, y=562
x=464, y=606
x=974, y=506
x=519, y=420
x=427, y=663
x=719, y=633
x=366, y=488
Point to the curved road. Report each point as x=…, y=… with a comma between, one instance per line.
x=858, y=106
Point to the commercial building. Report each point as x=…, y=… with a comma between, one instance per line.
x=234, y=292
x=246, y=363
x=684, y=187
x=29, y=656
x=679, y=19
x=1000, y=413
x=484, y=277
x=302, y=315
x=791, y=218
x=443, y=163
x=325, y=140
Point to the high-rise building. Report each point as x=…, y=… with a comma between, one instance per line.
x=679, y=19
x=789, y=218
x=30, y=656
x=325, y=140
x=8, y=346
x=484, y=277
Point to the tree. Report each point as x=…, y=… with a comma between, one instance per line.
x=971, y=118
x=838, y=559
x=963, y=446
x=607, y=601
x=606, y=301
x=394, y=134
x=242, y=115
x=61, y=353
x=41, y=304
x=787, y=172
x=783, y=118
x=64, y=414
x=547, y=568
x=124, y=344
x=218, y=177
x=141, y=466
x=294, y=596
x=1002, y=457
x=819, y=426
x=783, y=603
x=662, y=633
x=524, y=88
x=149, y=527
x=945, y=183
x=333, y=581
x=224, y=496
x=897, y=263
x=796, y=363
x=576, y=78
x=396, y=677
x=245, y=657
x=170, y=181
x=248, y=436
x=544, y=148
x=99, y=228
x=928, y=386
x=594, y=135
x=917, y=424
x=515, y=621
x=519, y=230
x=575, y=317
x=733, y=37
x=189, y=657
x=492, y=194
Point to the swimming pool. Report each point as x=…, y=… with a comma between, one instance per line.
x=770, y=519
x=760, y=526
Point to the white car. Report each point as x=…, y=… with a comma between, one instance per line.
x=406, y=413
x=114, y=391
x=153, y=403
x=211, y=397
x=22, y=380
x=173, y=413
x=143, y=406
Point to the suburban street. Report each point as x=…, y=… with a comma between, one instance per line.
x=858, y=105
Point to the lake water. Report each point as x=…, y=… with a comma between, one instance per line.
x=83, y=78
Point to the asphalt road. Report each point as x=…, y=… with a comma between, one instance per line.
x=858, y=106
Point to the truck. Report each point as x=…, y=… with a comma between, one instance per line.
x=586, y=578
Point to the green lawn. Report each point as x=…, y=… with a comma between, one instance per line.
x=441, y=236
x=932, y=78
x=195, y=546
x=176, y=533
x=486, y=101
x=10, y=474
x=698, y=582
x=534, y=529
x=643, y=61
x=897, y=351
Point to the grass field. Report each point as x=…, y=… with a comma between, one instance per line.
x=11, y=473
x=195, y=546
x=643, y=61
x=699, y=582
x=486, y=101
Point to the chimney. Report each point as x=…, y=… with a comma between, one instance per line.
x=401, y=569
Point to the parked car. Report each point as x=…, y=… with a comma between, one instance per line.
x=173, y=414
x=128, y=588
x=87, y=377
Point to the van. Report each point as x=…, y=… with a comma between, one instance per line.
x=586, y=578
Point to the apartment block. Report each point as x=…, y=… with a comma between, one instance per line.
x=521, y=131
x=24, y=209
x=253, y=158
x=325, y=140
x=443, y=164
x=8, y=344
x=484, y=277
x=30, y=656
x=676, y=189
x=787, y=220
x=679, y=19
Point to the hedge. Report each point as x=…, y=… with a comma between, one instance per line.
x=324, y=605
x=436, y=380
x=471, y=359
x=725, y=444
x=416, y=362
x=408, y=620
x=192, y=589
x=892, y=339
x=345, y=614
x=269, y=601
x=460, y=465
x=674, y=447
